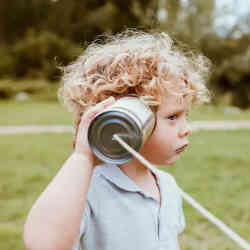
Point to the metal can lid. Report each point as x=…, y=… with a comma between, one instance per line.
x=100, y=136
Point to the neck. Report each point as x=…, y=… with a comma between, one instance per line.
x=136, y=171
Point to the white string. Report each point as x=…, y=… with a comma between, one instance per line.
x=234, y=236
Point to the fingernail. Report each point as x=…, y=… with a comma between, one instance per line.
x=92, y=115
x=110, y=99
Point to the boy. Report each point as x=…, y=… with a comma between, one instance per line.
x=93, y=205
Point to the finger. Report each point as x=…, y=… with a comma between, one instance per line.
x=90, y=115
x=105, y=103
x=93, y=111
x=82, y=127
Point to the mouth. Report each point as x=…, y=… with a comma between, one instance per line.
x=181, y=149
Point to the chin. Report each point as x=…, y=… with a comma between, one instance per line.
x=170, y=163
x=164, y=162
x=172, y=160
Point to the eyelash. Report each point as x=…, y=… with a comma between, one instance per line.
x=171, y=116
x=175, y=116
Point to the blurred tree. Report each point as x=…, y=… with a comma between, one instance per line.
x=17, y=16
x=193, y=22
x=77, y=22
x=233, y=73
x=172, y=8
x=76, y=19
x=27, y=28
x=189, y=20
x=37, y=55
x=83, y=20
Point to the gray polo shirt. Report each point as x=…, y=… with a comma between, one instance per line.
x=119, y=215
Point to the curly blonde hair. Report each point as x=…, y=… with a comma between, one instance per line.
x=132, y=62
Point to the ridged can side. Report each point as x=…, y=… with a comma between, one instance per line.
x=128, y=117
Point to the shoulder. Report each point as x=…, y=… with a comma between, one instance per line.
x=101, y=181
x=169, y=182
x=97, y=179
x=167, y=178
x=95, y=182
x=174, y=194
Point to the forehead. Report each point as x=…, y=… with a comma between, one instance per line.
x=170, y=103
x=171, y=96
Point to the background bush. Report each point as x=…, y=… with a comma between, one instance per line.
x=37, y=55
x=37, y=36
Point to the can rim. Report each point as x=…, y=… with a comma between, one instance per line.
x=124, y=157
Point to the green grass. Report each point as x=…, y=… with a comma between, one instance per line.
x=43, y=107
x=28, y=164
x=33, y=112
x=44, y=112
x=220, y=112
x=214, y=171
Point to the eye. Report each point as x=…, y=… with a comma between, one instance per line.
x=173, y=117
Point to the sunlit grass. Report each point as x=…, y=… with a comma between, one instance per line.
x=220, y=112
x=42, y=106
x=33, y=112
x=215, y=171
x=51, y=113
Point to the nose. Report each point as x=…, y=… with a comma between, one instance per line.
x=185, y=130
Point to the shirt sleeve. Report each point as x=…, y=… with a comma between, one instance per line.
x=83, y=227
x=182, y=220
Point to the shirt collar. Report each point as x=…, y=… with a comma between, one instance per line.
x=113, y=173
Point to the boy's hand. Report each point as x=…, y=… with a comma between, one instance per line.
x=80, y=143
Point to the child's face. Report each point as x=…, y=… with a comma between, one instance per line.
x=170, y=134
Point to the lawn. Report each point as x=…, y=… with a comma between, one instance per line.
x=33, y=112
x=214, y=171
x=51, y=113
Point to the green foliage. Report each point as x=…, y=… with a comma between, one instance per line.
x=17, y=16
x=233, y=75
x=37, y=36
x=6, y=65
x=75, y=20
x=193, y=23
x=38, y=55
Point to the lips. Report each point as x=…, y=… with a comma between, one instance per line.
x=181, y=149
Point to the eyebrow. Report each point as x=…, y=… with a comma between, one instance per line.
x=176, y=110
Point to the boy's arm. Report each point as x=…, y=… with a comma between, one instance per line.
x=54, y=220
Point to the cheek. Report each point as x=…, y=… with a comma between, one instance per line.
x=165, y=132
x=162, y=137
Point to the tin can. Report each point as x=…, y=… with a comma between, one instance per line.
x=129, y=118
